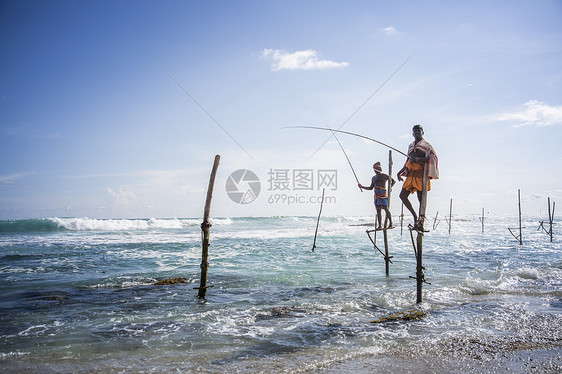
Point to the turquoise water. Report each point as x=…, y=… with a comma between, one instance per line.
x=78, y=294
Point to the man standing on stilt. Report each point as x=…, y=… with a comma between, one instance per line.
x=420, y=152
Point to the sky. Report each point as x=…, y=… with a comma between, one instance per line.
x=116, y=109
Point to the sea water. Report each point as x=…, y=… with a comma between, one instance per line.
x=79, y=294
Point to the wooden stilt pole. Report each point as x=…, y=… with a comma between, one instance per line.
x=450, y=215
x=482, y=219
x=520, y=236
x=318, y=221
x=435, y=221
x=520, y=232
x=386, y=254
x=550, y=220
x=420, y=279
x=550, y=217
x=205, y=228
x=401, y=219
x=385, y=236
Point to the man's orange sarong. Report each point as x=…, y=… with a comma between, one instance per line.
x=414, y=179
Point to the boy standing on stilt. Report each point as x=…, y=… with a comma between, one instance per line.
x=378, y=183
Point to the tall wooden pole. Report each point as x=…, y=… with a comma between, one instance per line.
x=205, y=228
x=550, y=220
x=389, y=177
x=450, y=215
x=401, y=219
x=385, y=236
x=520, y=232
x=419, y=268
x=482, y=219
x=318, y=221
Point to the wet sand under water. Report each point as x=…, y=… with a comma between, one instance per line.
x=473, y=357
x=548, y=360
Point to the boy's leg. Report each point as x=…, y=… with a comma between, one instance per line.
x=388, y=217
x=379, y=218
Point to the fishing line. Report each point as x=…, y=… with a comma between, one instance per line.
x=364, y=103
x=345, y=153
x=200, y=106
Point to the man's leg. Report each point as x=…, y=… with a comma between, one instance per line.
x=404, y=197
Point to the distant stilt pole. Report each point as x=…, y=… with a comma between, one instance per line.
x=205, y=228
x=450, y=215
x=318, y=221
x=550, y=217
x=435, y=221
x=520, y=236
x=520, y=231
x=401, y=219
x=482, y=219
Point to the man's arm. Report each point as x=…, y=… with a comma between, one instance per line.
x=370, y=187
x=404, y=168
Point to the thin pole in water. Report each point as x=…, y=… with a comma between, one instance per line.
x=385, y=236
x=482, y=219
x=520, y=232
x=205, y=228
x=318, y=221
x=550, y=217
x=435, y=221
x=401, y=219
x=520, y=236
x=450, y=215
x=420, y=278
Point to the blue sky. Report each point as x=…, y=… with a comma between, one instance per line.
x=116, y=109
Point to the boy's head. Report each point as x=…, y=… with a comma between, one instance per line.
x=377, y=166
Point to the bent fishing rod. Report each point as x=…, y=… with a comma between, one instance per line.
x=365, y=102
x=348, y=161
x=348, y=133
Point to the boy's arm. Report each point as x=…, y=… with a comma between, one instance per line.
x=371, y=186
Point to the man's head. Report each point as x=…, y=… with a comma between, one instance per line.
x=417, y=131
x=377, y=167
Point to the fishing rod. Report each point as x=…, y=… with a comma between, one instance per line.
x=318, y=221
x=348, y=133
x=345, y=153
x=365, y=102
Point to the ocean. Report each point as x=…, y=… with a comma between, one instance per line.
x=79, y=295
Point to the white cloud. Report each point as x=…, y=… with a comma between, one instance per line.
x=11, y=179
x=535, y=113
x=299, y=60
x=122, y=197
x=390, y=31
